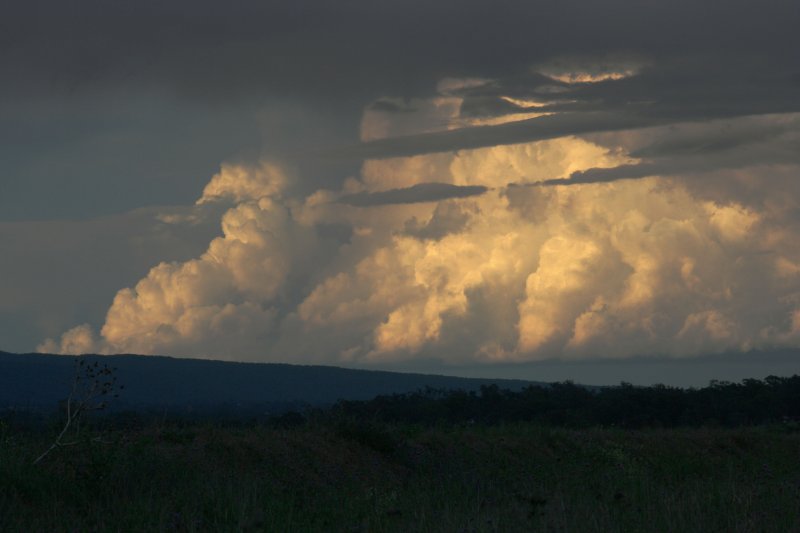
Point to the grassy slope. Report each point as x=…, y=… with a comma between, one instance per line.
x=348, y=477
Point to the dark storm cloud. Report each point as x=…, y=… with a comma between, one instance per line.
x=671, y=167
x=726, y=145
x=669, y=95
x=357, y=48
x=626, y=172
x=332, y=59
x=389, y=107
x=422, y=192
x=535, y=129
x=722, y=136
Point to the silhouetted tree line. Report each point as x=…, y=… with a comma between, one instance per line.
x=751, y=402
x=565, y=404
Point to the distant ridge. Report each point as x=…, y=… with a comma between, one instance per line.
x=41, y=380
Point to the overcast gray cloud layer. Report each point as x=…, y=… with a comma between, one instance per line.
x=104, y=101
x=361, y=48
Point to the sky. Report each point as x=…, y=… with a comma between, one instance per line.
x=598, y=191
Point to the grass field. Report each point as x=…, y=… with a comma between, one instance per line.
x=347, y=476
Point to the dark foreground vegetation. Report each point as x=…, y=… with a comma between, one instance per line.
x=564, y=458
x=356, y=477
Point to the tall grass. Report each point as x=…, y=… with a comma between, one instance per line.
x=345, y=476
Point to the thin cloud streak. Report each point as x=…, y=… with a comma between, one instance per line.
x=765, y=140
x=420, y=193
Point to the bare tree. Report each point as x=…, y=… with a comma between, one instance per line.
x=92, y=384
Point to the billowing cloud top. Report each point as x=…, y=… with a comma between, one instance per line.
x=515, y=190
x=620, y=243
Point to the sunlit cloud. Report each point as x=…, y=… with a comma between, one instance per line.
x=523, y=103
x=581, y=70
x=500, y=119
x=480, y=254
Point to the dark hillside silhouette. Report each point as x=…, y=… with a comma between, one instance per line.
x=154, y=382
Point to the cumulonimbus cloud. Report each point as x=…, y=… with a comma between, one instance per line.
x=656, y=265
